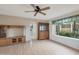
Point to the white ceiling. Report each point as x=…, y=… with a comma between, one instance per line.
x=55, y=10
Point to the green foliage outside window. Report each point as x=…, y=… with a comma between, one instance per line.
x=64, y=27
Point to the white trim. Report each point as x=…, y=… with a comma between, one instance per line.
x=66, y=37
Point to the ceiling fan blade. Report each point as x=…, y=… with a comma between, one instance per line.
x=29, y=11
x=46, y=8
x=35, y=14
x=42, y=13
x=33, y=6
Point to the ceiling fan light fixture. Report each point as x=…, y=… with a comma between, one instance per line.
x=37, y=10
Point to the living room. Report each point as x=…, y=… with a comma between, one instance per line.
x=24, y=26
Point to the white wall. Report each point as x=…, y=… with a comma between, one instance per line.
x=52, y=30
x=12, y=32
x=12, y=20
x=35, y=31
x=71, y=42
x=31, y=35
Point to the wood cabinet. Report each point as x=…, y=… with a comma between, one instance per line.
x=11, y=30
x=4, y=41
x=43, y=31
x=2, y=32
x=11, y=41
x=11, y=34
x=20, y=39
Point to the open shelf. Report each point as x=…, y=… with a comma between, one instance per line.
x=11, y=34
x=20, y=40
x=14, y=40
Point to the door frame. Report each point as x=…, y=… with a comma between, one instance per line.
x=38, y=28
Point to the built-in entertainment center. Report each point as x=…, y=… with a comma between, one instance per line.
x=11, y=34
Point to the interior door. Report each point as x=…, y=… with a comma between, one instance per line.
x=43, y=31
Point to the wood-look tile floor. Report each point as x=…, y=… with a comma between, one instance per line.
x=38, y=47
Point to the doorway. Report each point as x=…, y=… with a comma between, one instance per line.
x=43, y=31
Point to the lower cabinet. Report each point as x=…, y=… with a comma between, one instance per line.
x=4, y=41
x=10, y=41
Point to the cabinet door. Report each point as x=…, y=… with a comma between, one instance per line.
x=4, y=42
x=43, y=31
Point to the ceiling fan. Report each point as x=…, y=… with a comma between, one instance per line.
x=37, y=9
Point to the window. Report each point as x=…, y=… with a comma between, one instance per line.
x=68, y=27
x=42, y=27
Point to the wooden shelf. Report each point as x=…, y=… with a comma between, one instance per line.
x=20, y=39
x=5, y=32
x=11, y=41
x=14, y=40
x=2, y=32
